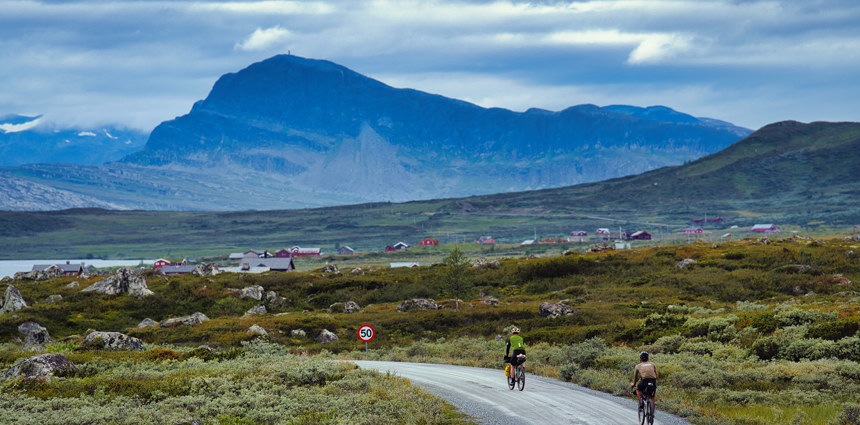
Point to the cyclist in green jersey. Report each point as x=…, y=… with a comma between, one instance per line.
x=516, y=342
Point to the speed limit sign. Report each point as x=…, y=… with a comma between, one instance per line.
x=366, y=333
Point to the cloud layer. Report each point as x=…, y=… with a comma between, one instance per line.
x=143, y=62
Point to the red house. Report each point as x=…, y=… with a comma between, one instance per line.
x=486, y=240
x=641, y=236
x=764, y=228
x=429, y=242
x=692, y=231
x=298, y=251
x=162, y=262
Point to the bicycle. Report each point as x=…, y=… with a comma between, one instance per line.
x=518, y=375
x=646, y=410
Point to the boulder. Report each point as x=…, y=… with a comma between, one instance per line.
x=112, y=341
x=53, y=299
x=74, y=284
x=146, y=323
x=600, y=246
x=43, y=365
x=326, y=336
x=483, y=263
x=206, y=269
x=36, y=339
x=351, y=307
x=683, y=264
x=27, y=327
x=254, y=292
x=123, y=281
x=257, y=330
x=330, y=268
x=489, y=301
x=356, y=272
x=418, y=304
x=298, y=333
x=257, y=309
x=12, y=300
x=274, y=300
x=554, y=310
x=194, y=319
x=37, y=275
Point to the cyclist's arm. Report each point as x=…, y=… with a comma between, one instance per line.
x=635, y=375
x=656, y=375
x=508, y=348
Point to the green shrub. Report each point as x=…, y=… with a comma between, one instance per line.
x=850, y=415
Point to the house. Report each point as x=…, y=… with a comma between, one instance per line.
x=578, y=236
x=552, y=240
x=764, y=228
x=429, y=242
x=177, y=269
x=345, y=250
x=641, y=236
x=528, y=242
x=715, y=220
x=602, y=231
x=69, y=269
x=727, y=235
x=486, y=240
x=692, y=231
x=274, y=264
x=161, y=262
x=298, y=251
x=395, y=265
x=251, y=253
x=398, y=246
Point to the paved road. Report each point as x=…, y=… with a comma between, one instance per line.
x=482, y=394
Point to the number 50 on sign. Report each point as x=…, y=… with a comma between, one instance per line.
x=366, y=333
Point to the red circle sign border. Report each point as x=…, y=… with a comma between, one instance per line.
x=358, y=333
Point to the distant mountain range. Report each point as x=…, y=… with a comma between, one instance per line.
x=29, y=140
x=291, y=132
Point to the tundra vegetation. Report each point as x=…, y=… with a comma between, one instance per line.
x=746, y=332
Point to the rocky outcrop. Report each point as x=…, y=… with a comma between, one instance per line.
x=36, y=339
x=123, y=281
x=489, y=301
x=257, y=330
x=257, y=309
x=194, y=319
x=330, y=268
x=326, y=336
x=253, y=292
x=112, y=341
x=43, y=365
x=146, y=323
x=483, y=263
x=27, y=327
x=418, y=304
x=298, y=333
x=38, y=275
x=351, y=307
x=274, y=300
x=206, y=269
x=554, y=310
x=683, y=264
x=356, y=272
x=53, y=299
x=74, y=284
x=12, y=300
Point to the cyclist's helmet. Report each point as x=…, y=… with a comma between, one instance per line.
x=643, y=356
x=515, y=330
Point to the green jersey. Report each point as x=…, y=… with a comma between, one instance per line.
x=516, y=342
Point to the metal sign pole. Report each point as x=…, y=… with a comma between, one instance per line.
x=365, y=351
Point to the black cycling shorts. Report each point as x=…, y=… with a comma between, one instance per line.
x=518, y=360
x=647, y=386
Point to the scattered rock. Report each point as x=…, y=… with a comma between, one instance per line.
x=112, y=341
x=298, y=333
x=206, y=269
x=330, y=268
x=36, y=339
x=257, y=309
x=257, y=330
x=483, y=263
x=27, y=327
x=274, y=300
x=123, y=281
x=351, y=307
x=43, y=365
x=600, y=246
x=53, y=299
x=37, y=275
x=194, y=319
x=418, y=304
x=74, y=284
x=489, y=301
x=12, y=300
x=683, y=264
x=356, y=272
x=146, y=323
x=254, y=292
x=554, y=310
x=326, y=336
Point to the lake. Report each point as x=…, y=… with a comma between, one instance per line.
x=10, y=267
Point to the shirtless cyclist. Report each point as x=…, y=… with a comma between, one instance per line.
x=648, y=372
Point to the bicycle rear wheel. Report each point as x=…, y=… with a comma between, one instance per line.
x=649, y=410
x=642, y=416
x=521, y=377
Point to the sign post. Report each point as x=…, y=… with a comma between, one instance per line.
x=366, y=334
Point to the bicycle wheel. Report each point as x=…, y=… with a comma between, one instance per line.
x=511, y=379
x=521, y=377
x=649, y=410
x=642, y=416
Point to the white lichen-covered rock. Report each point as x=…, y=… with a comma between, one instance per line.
x=146, y=323
x=356, y=272
x=554, y=310
x=326, y=336
x=483, y=263
x=206, y=269
x=257, y=330
x=113, y=341
x=253, y=292
x=194, y=319
x=298, y=333
x=351, y=307
x=38, y=275
x=43, y=365
x=36, y=339
x=257, y=309
x=53, y=299
x=27, y=327
x=12, y=300
x=418, y=304
x=123, y=281
x=683, y=264
x=74, y=284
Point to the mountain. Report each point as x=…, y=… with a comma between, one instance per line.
x=292, y=132
x=29, y=140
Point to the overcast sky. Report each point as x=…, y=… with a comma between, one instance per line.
x=139, y=63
